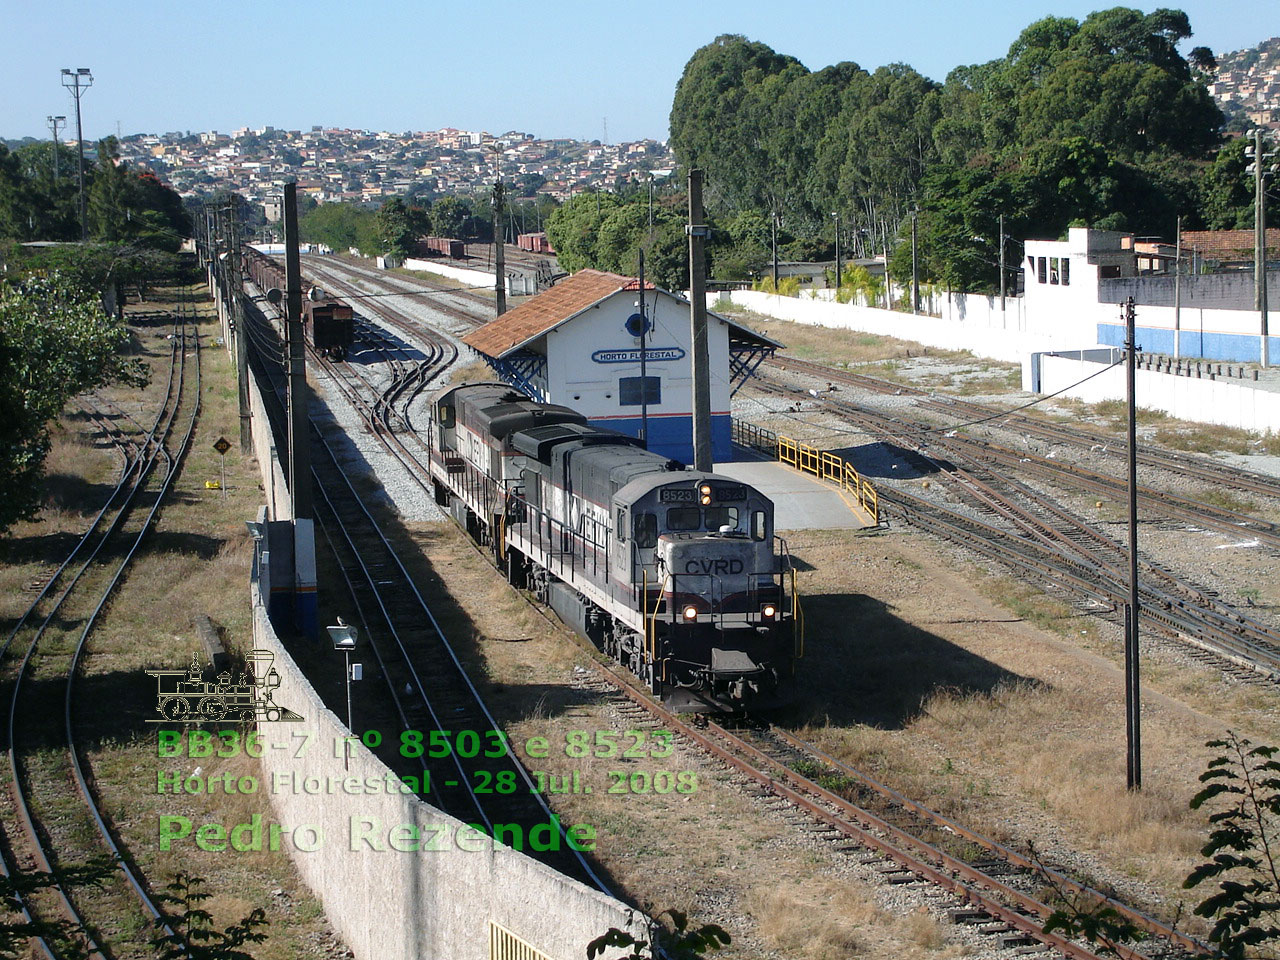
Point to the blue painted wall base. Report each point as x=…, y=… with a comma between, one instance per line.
x=1235, y=347
x=673, y=436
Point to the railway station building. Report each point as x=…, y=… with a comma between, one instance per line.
x=582, y=344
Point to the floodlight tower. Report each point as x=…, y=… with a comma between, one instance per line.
x=77, y=81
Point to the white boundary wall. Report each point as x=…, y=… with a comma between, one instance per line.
x=977, y=335
x=401, y=905
x=1203, y=400
x=518, y=283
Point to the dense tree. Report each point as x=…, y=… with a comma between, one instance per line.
x=55, y=342
x=1099, y=122
x=341, y=226
x=400, y=224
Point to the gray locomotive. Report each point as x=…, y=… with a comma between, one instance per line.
x=675, y=573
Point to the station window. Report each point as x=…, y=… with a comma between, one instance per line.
x=634, y=391
x=645, y=529
x=1040, y=269
x=1066, y=271
x=1053, y=269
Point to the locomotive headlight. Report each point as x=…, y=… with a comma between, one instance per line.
x=704, y=492
x=691, y=613
x=768, y=611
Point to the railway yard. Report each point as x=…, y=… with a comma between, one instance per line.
x=953, y=770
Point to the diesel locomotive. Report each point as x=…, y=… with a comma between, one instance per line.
x=675, y=573
x=328, y=322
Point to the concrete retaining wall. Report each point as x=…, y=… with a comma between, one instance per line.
x=997, y=343
x=467, y=277
x=390, y=904
x=264, y=448
x=1203, y=400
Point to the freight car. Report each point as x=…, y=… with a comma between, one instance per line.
x=443, y=247
x=675, y=573
x=534, y=243
x=329, y=322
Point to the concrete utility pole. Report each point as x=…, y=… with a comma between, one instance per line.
x=836, y=215
x=915, y=268
x=1002, y=270
x=698, y=233
x=1260, y=173
x=72, y=79
x=1177, y=290
x=238, y=321
x=1132, y=700
x=54, y=124
x=299, y=445
x=499, y=254
x=773, y=237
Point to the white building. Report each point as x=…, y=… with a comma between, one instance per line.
x=579, y=344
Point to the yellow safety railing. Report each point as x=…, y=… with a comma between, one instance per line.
x=829, y=466
x=505, y=945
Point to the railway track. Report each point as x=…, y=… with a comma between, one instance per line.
x=1031, y=533
x=427, y=682
x=95, y=888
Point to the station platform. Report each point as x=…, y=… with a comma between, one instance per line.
x=800, y=502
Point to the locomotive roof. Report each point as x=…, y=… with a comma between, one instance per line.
x=538, y=442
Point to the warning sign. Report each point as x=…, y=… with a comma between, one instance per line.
x=222, y=446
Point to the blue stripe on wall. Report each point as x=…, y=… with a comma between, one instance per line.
x=1236, y=347
x=673, y=436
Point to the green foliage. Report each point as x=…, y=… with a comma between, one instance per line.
x=1099, y=121
x=193, y=936
x=55, y=342
x=1243, y=783
x=678, y=943
x=399, y=225
x=341, y=226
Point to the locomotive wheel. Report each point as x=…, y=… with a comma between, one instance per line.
x=273, y=714
x=248, y=716
x=213, y=708
x=175, y=708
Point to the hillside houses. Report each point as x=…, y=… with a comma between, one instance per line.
x=335, y=164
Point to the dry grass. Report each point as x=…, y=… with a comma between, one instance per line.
x=195, y=561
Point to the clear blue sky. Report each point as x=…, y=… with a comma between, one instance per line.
x=553, y=69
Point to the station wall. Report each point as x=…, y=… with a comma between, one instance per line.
x=1188, y=398
x=389, y=904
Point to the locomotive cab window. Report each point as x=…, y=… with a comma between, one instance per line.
x=758, y=530
x=684, y=518
x=645, y=530
x=622, y=525
x=718, y=517
x=446, y=416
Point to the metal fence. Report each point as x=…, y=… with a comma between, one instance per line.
x=823, y=464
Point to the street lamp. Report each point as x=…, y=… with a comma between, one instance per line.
x=836, y=215
x=344, y=639
x=72, y=79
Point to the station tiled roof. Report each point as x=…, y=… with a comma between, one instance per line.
x=547, y=310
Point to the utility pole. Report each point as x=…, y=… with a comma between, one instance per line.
x=651, y=206
x=238, y=322
x=72, y=79
x=1132, y=703
x=915, y=268
x=773, y=237
x=644, y=371
x=836, y=215
x=499, y=254
x=54, y=124
x=299, y=450
x=1260, y=173
x=1002, y=270
x=698, y=233
x=304, y=543
x=1177, y=290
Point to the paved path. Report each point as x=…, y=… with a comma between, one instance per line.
x=801, y=502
